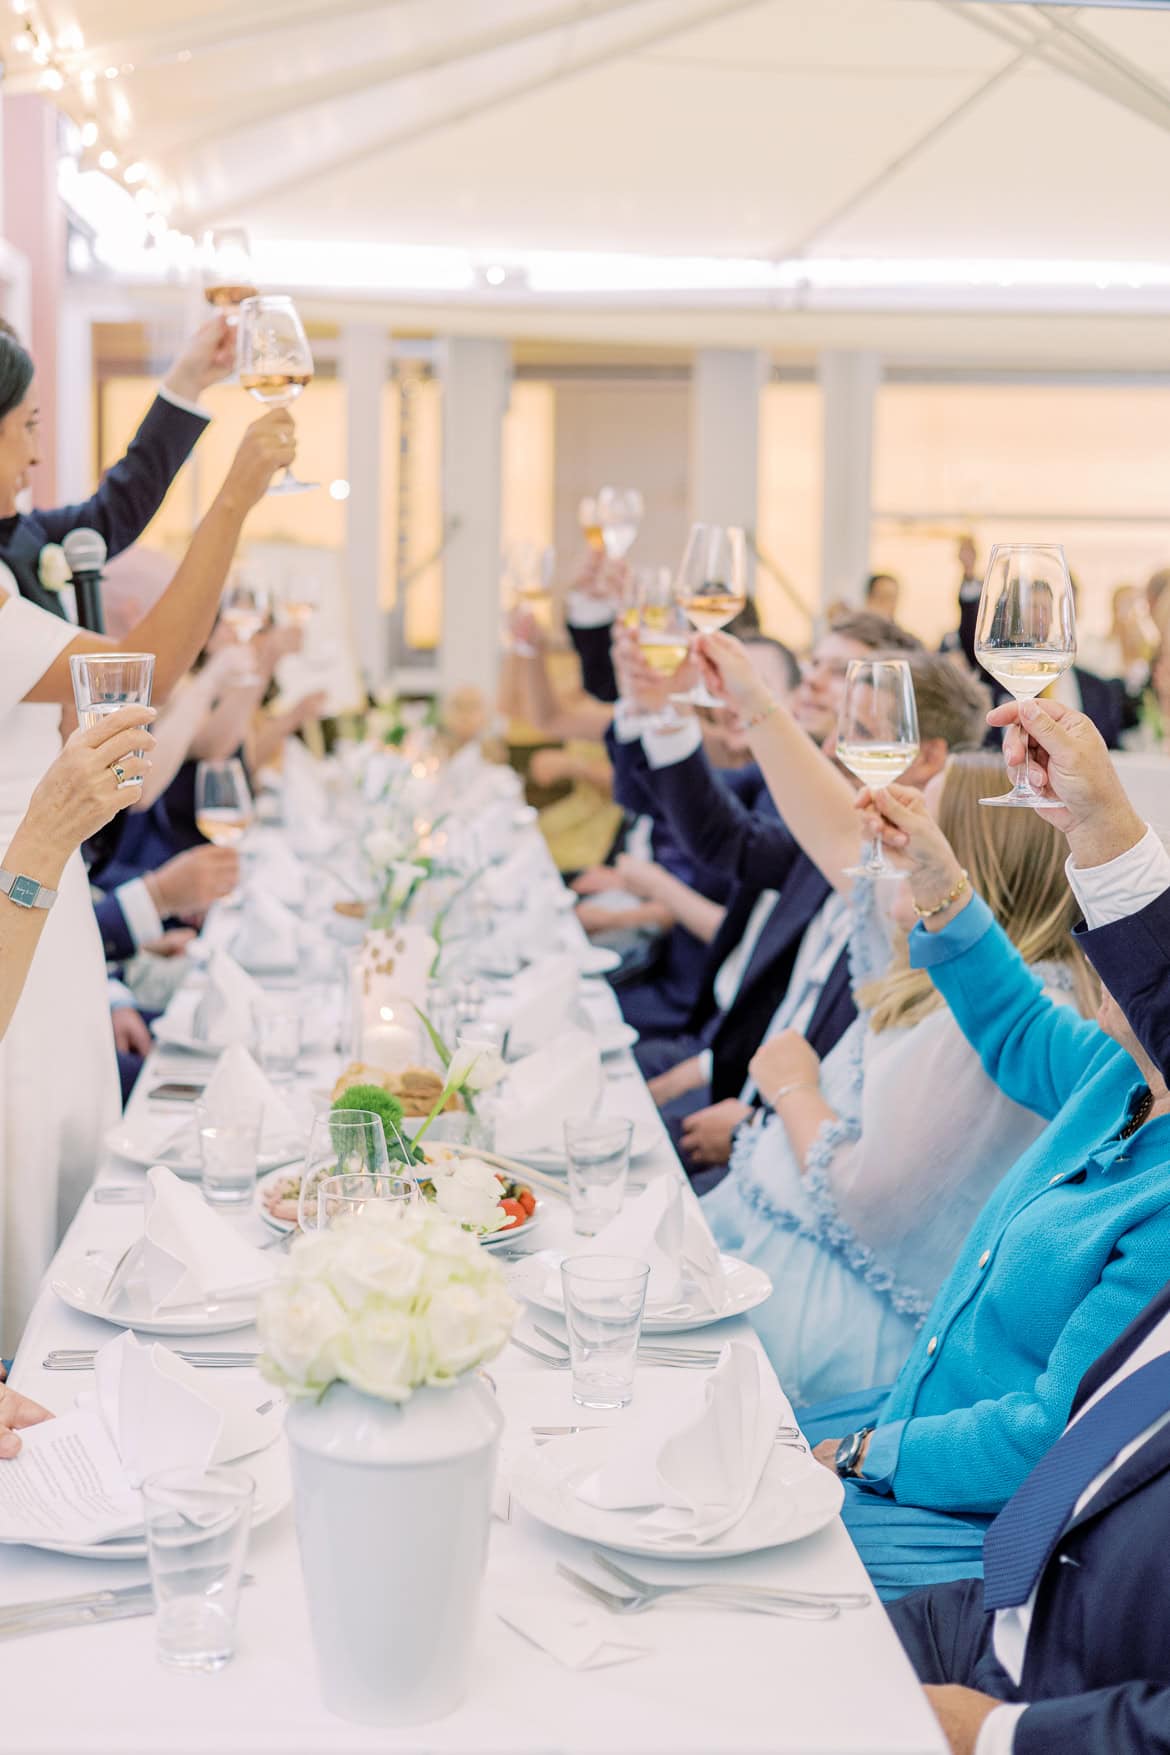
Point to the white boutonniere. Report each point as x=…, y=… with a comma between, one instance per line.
x=53, y=570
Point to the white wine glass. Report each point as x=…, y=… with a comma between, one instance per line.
x=223, y=802
x=589, y=518
x=1026, y=635
x=711, y=586
x=877, y=737
x=298, y=603
x=228, y=275
x=244, y=609
x=663, y=631
x=619, y=512
x=276, y=363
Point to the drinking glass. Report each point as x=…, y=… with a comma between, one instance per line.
x=279, y=1036
x=1026, y=635
x=228, y=1152
x=244, y=609
x=105, y=681
x=663, y=631
x=597, y=1152
x=223, y=802
x=276, y=363
x=336, y=1196
x=228, y=275
x=298, y=603
x=343, y=1142
x=197, y=1524
x=877, y=737
x=529, y=571
x=711, y=585
x=589, y=518
x=604, y=1297
x=619, y=511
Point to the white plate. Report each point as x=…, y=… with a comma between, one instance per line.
x=615, y=1038
x=747, y=1287
x=125, y=1146
x=175, y=1029
x=268, y=1468
x=80, y=1284
x=284, y=1226
x=795, y=1498
x=596, y=959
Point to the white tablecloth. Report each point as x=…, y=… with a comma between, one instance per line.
x=712, y=1681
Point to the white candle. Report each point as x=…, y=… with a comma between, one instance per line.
x=389, y=1044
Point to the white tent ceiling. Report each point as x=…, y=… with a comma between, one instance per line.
x=769, y=129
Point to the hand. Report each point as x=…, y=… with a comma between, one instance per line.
x=706, y=1135
x=729, y=673
x=595, y=917
x=228, y=667
x=639, y=876
x=786, y=1059
x=596, y=879
x=637, y=683
x=209, y=356
x=526, y=634
x=961, y=1712
x=307, y=708
x=131, y=1033
x=273, y=644
x=899, y=815
x=676, y=1081
x=1067, y=759
x=189, y=883
x=548, y=768
x=17, y=1412
x=80, y=792
x=826, y=1453
x=172, y=943
x=269, y=444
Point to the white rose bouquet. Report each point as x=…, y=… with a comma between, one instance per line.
x=386, y=1300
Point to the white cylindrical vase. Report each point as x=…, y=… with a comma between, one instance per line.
x=393, y=1511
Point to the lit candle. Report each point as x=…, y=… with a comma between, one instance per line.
x=388, y=1042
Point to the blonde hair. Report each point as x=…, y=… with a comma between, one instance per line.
x=1015, y=861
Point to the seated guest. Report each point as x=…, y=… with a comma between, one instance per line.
x=1069, y=1246
x=882, y=591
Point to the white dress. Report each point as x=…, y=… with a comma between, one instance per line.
x=58, y=1070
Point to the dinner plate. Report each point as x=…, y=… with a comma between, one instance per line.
x=284, y=1226
x=268, y=1468
x=615, y=1038
x=795, y=1498
x=596, y=959
x=81, y=1282
x=747, y=1287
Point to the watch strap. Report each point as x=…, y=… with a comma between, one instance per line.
x=25, y=892
x=849, y=1450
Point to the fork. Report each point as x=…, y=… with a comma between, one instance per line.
x=652, y=1350
x=713, y=1596
x=562, y=1362
x=81, y=1359
x=814, y=1598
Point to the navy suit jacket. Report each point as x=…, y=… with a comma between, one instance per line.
x=1132, y=957
x=1106, y=702
x=118, y=942
x=593, y=650
x=128, y=498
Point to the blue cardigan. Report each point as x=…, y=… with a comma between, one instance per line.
x=1068, y=1249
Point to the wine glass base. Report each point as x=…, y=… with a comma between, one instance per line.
x=1023, y=801
x=290, y=485
x=872, y=871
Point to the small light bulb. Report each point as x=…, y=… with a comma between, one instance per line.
x=135, y=173
x=339, y=490
x=89, y=133
x=496, y=276
x=52, y=80
x=108, y=160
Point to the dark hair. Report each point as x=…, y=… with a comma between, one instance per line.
x=874, y=631
x=16, y=373
x=875, y=580
x=788, y=659
x=747, y=623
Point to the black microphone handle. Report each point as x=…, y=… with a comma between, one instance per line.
x=88, y=587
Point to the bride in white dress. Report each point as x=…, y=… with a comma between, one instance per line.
x=58, y=1075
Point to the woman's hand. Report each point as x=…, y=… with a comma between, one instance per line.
x=17, y=1412
x=898, y=814
x=639, y=876
x=595, y=880
x=786, y=1059
x=207, y=357
x=729, y=673
x=80, y=792
x=269, y=444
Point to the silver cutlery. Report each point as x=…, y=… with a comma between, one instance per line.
x=112, y=1194
x=562, y=1431
x=562, y=1362
x=81, y=1359
x=710, y=1596
x=54, y=1613
x=814, y=1598
x=649, y=1349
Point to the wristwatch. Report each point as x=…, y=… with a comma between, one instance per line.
x=849, y=1451
x=25, y=891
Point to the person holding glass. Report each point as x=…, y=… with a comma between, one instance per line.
x=58, y=1078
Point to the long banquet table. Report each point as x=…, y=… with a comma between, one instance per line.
x=710, y=1680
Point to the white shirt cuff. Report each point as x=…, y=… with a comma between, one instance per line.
x=1121, y=886
x=585, y=611
x=997, y=1733
x=628, y=723
x=706, y=1062
x=665, y=748
x=181, y=402
x=142, y=917
x=119, y=995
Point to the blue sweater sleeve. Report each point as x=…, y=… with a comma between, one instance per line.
x=1036, y=1050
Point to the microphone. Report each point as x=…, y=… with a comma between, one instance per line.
x=85, y=550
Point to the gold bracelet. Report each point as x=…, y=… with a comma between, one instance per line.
x=754, y=719
x=941, y=907
x=796, y=1085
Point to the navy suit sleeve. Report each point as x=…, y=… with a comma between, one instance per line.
x=1131, y=1719
x=134, y=489
x=593, y=649
x=118, y=941
x=719, y=831
x=632, y=780
x=1132, y=957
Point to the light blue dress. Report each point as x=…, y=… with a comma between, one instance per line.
x=857, y=1246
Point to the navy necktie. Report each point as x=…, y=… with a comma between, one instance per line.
x=1017, y=1545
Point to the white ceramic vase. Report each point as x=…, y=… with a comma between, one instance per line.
x=393, y=1509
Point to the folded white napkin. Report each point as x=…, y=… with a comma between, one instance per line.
x=226, y=1007
x=563, y=1078
x=542, y=998
x=576, y=1635
x=696, y=1472
x=305, y=800
x=163, y=1414
x=187, y=1254
x=267, y=940
x=508, y=885
x=238, y=1089
x=664, y=1228
x=275, y=871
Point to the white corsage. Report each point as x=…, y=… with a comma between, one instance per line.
x=53, y=570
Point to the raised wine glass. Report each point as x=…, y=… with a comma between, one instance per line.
x=877, y=737
x=663, y=631
x=276, y=363
x=228, y=275
x=244, y=609
x=619, y=512
x=589, y=518
x=711, y=585
x=223, y=802
x=1026, y=634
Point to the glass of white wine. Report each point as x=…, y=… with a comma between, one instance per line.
x=276, y=363
x=877, y=737
x=589, y=518
x=663, y=629
x=223, y=802
x=228, y=275
x=1026, y=634
x=619, y=513
x=244, y=610
x=711, y=585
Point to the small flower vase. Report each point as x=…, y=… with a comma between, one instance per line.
x=393, y=1510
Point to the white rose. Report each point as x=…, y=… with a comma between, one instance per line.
x=381, y=1354
x=300, y=1324
x=53, y=570
x=375, y=1265
x=470, y=1191
x=475, y=1067
x=466, y=1325
x=382, y=847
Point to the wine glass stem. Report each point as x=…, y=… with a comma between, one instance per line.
x=875, y=859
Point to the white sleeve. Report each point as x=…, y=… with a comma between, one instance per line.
x=665, y=748
x=119, y=995
x=137, y=905
x=30, y=639
x=181, y=402
x=997, y=1734
x=628, y=723
x=1121, y=886
x=584, y=611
